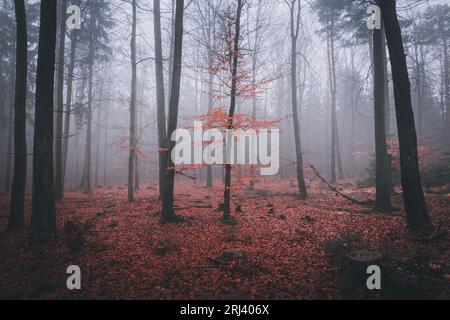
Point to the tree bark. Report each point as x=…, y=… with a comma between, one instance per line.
x=383, y=192
x=70, y=75
x=295, y=24
x=168, y=212
x=131, y=160
x=16, y=217
x=417, y=215
x=230, y=126
x=87, y=187
x=9, y=148
x=43, y=218
x=59, y=193
x=160, y=94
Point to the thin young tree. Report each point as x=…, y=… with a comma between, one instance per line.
x=416, y=210
x=132, y=155
x=68, y=111
x=383, y=192
x=43, y=218
x=295, y=9
x=16, y=217
x=234, y=80
x=160, y=92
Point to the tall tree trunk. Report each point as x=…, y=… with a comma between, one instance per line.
x=131, y=160
x=59, y=192
x=43, y=218
x=332, y=80
x=168, y=212
x=446, y=85
x=387, y=108
x=70, y=75
x=234, y=72
x=87, y=187
x=9, y=148
x=383, y=192
x=413, y=196
x=295, y=22
x=209, y=172
x=16, y=217
x=160, y=94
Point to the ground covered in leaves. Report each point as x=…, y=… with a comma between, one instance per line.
x=278, y=248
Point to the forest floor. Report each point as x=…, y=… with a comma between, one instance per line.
x=279, y=247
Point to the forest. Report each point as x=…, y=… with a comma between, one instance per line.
x=224, y=149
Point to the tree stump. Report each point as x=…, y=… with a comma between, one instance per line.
x=359, y=262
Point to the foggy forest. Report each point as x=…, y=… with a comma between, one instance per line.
x=121, y=155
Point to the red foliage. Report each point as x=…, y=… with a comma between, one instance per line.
x=126, y=253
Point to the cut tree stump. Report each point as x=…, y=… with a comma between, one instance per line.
x=359, y=261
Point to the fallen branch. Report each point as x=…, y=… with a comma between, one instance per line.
x=332, y=188
x=186, y=175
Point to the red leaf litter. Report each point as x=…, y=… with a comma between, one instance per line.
x=125, y=253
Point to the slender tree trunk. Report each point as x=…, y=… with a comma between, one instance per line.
x=160, y=94
x=68, y=111
x=234, y=72
x=413, y=196
x=9, y=152
x=105, y=151
x=387, y=107
x=43, y=218
x=333, y=106
x=446, y=85
x=131, y=160
x=16, y=217
x=209, y=172
x=59, y=192
x=168, y=212
x=87, y=186
x=383, y=192
x=295, y=21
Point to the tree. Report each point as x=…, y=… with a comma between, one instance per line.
x=96, y=39
x=133, y=142
x=383, y=191
x=70, y=79
x=234, y=73
x=43, y=218
x=330, y=13
x=413, y=196
x=437, y=30
x=16, y=218
x=160, y=93
x=295, y=8
x=59, y=186
x=206, y=15
x=168, y=212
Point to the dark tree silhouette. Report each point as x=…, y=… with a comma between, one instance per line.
x=16, y=218
x=59, y=187
x=43, y=219
x=168, y=212
x=413, y=196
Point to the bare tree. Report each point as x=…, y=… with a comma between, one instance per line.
x=295, y=8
